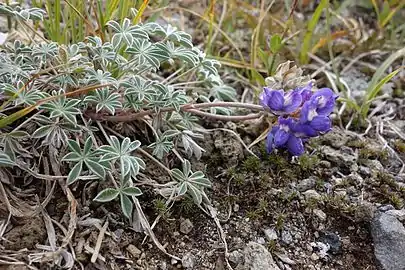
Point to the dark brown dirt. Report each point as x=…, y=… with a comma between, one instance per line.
x=31, y=232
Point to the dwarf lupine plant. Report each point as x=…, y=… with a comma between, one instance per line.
x=105, y=109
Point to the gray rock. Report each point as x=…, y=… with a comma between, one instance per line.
x=257, y=257
x=306, y=184
x=261, y=240
x=399, y=214
x=173, y=261
x=339, y=157
x=320, y=214
x=312, y=194
x=365, y=170
x=284, y=258
x=188, y=261
x=389, y=241
x=186, y=226
x=134, y=251
x=163, y=265
x=332, y=240
x=236, y=257
x=286, y=237
x=373, y=164
x=314, y=257
x=270, y=234
x=385, y=207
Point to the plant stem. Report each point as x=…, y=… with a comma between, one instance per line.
x=226, y=117
x=185, y=108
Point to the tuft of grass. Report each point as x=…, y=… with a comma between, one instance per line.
x=70, y=21
x=378, y=80
x=308, y=38
x=161, y=207
x=399, y=146
x=251, y=164
x=280, y=222
x=308, y=162
x=396, y=201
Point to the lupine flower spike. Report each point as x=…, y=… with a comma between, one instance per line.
x=302, y=114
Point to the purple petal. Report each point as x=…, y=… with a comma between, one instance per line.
x=281, y=137
x=308, y=111
x=275, y=100
x=270, y=139
x=295, y=146
x=321, y=123
x=326, y=92
x=328, y=107
x=305, y=92
x=324, y=99
x=264, y=97
x=303, y=131
x=293, y=100
x=285, y=121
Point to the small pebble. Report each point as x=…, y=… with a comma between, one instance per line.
x=312, y=194
x=261, y=241
x=134, y=251
x=270, y=234
x=186, y=226
x=286, y=237
x=320, y=214
x=314, y=257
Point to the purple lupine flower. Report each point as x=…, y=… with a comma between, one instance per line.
x=281, y=136
x=305, y=91
x=279, y=102
x=321, y=102
x=308, y=116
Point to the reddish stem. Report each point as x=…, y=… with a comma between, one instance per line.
x=192, y=108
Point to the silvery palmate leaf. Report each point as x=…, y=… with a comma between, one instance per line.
x=126, y=33
x=146, y=53
x=138, y=87
x=121, y=153
x=171, y=33
x=105, y=99
x=192, y=183
x=54, y=131
x=86, y=157
x=63, y=107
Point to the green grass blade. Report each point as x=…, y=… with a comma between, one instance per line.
x=351, y=103
x=6, y=121
x=374, y=91
x=306, y=45
x=381, y=70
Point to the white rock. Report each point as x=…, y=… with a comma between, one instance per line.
x=186, y=226
x=257, y=257
x=188, y=261
x=312, y=194
x=270, y=234
x=134, y=251
x=314, y=257
x=320, y=214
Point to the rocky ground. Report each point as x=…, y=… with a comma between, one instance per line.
x=340, y=207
